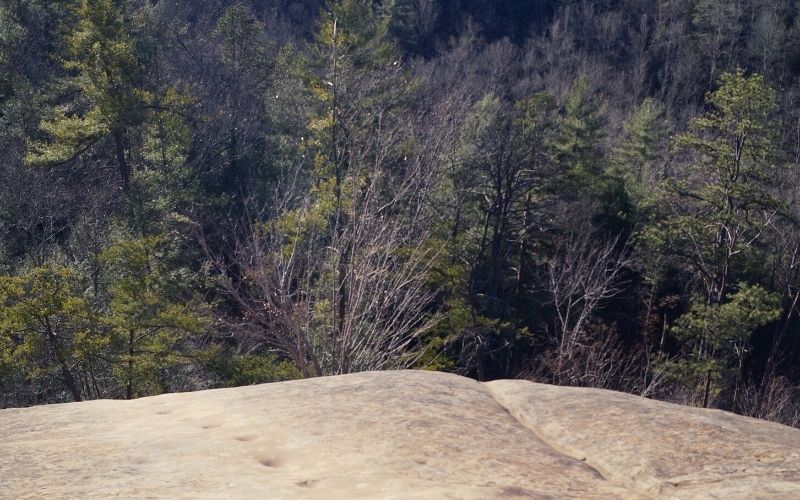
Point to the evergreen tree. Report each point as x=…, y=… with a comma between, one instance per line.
x=11, y=33
x=717, y=334
x=576, y=144
x=152, y=314
x=725, y=203
x=640, y=152
x=47, y=326
x=107, y=69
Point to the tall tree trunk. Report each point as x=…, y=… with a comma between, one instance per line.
x=122, y=162
x=69, y=379
x=707, y=388
x=129, y=388
x=66, y=373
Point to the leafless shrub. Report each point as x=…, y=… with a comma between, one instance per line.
x=778, y=401
x=601, y=361
x=687, y=394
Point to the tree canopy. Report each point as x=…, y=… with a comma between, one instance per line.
x=201, y=194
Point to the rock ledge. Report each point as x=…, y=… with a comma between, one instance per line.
x=401, y=434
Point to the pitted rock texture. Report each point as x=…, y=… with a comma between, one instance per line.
x=398, y=435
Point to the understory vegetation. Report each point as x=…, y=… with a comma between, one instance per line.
x=224, y=192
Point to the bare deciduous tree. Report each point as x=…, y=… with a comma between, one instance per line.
x=581, y=276
x=337, y=300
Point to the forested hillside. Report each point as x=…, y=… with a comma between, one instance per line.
x=217, y=192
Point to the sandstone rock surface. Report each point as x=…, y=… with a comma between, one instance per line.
x=393, y=435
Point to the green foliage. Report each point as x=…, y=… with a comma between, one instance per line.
x=450, y=275
x=108, y=73
x=481, y=131
x=580, y=129
x=71, y=135
x=535, y=116
x=413, y=22
x=165, y=180
x=151, y=314
x=724, y=203
x=353, y=77
x=693, y=373
x=241, y=35
x=575, y=147
x=248, y=369
x=11, y=34
x=103, y=53
x=361, y=28
x=636, y=155
x=47, y=325
x=714, y=327
x=734, y=143
x=714, y=334
x=167, y=137
x=722, y=207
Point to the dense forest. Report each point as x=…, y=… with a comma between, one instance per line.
x=224, y=192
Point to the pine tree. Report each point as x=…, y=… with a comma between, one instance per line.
x=576, y=144
x=47, y=326
x=11, y=33
x=107, y=78
x=717, y=334
x=722, y=210
x=152, y=313
x=725, y=203
x=637, y=155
